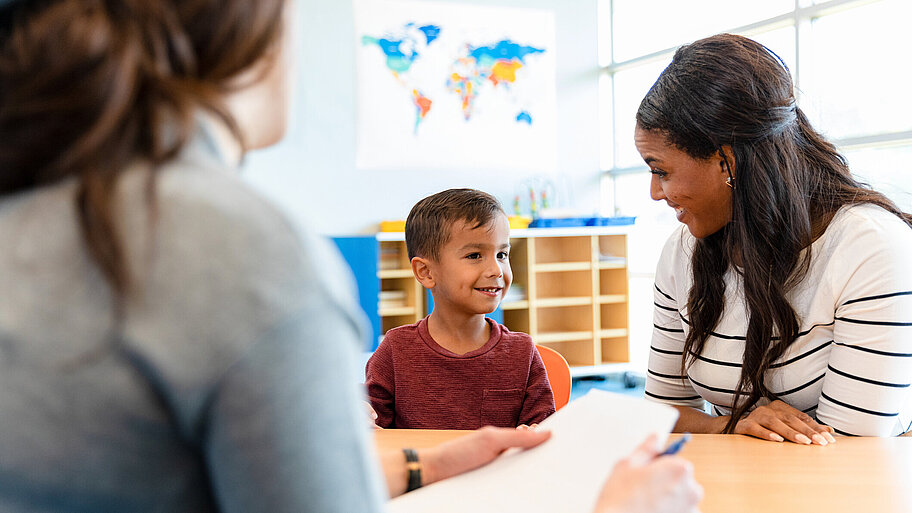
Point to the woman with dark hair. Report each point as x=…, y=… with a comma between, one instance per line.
x=169, y=341
x=786, y=304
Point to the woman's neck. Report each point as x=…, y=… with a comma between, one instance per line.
x=224, y=140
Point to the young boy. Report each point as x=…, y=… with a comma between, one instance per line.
x=457, y=369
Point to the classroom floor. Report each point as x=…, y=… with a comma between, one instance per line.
x=617, y=383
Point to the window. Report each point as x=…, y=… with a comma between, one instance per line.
x=848, y=58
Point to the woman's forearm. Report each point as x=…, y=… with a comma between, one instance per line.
x=433, y=468
x=457, y=456
x=695, y=421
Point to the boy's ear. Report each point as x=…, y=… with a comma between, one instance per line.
x=422, y=271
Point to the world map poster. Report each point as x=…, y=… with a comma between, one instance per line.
x=449, y=87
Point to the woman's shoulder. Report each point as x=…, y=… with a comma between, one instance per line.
x=220, y=269
x=678, y=249
x=866, y=222
x=216, y=194
x=213, y=234
x=209, y=210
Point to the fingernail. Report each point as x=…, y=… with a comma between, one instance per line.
x=776, y=438
x=819, y=439
x=803, y=439
x=830, y=437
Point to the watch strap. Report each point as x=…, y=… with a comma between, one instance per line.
x=414, y=469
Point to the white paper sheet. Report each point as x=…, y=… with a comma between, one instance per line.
x=565, y=473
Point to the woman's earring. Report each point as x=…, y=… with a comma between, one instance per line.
x=730, y=181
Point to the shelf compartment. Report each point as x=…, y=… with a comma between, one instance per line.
x=401, y=299
x=565, y=319
x=615, y=349
x=612, y=247
x=577, y=353
x=519, y=261
x=613, y=316
x=551, y=250
x=517, y=320
x=394, y=321
x=613, y=281
x=393, y=255
x=569, y=284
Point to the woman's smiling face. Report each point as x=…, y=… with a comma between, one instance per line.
x=695, y=188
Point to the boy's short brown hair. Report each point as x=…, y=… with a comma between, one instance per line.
x=427, y=227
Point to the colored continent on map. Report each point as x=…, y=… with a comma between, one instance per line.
x=497, y=63
x=422, y=107
x=402, y=50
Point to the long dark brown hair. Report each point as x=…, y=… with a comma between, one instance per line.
x=89, y=86
x=729, y=91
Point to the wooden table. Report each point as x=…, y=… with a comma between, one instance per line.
x=745, y=475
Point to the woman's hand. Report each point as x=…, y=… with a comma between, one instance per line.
x=371, y=415
x=778, y=422
x=642, y=483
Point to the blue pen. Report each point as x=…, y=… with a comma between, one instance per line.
x=676, y=446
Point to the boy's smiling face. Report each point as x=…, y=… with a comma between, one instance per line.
x=472, y=273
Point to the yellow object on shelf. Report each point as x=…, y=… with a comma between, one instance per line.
x=519, y=222
x=392, y=226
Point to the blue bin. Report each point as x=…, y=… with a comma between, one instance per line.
x=558, y=222
x=610, y=221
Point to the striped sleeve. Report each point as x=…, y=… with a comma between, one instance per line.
x=867, y=389
x=664, y=380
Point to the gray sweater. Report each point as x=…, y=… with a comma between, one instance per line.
x=230, y=384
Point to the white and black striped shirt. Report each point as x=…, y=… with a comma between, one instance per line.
x=851, y=366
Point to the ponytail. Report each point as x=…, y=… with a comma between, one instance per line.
x=89, y=86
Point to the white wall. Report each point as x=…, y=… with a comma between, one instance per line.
x=312, y=172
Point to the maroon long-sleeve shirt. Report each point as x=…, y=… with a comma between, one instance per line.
x=413, y=382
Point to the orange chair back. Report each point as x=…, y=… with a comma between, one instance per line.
x=558, y=375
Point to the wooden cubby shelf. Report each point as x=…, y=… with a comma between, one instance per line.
x=572, y=290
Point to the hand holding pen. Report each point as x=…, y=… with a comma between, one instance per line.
x=675, y=447
x=650, y=480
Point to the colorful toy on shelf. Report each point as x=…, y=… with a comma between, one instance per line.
x=533, y=206
x=392, y=226
x=519, y=222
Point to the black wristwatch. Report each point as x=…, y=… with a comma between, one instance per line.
x=414, y=469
